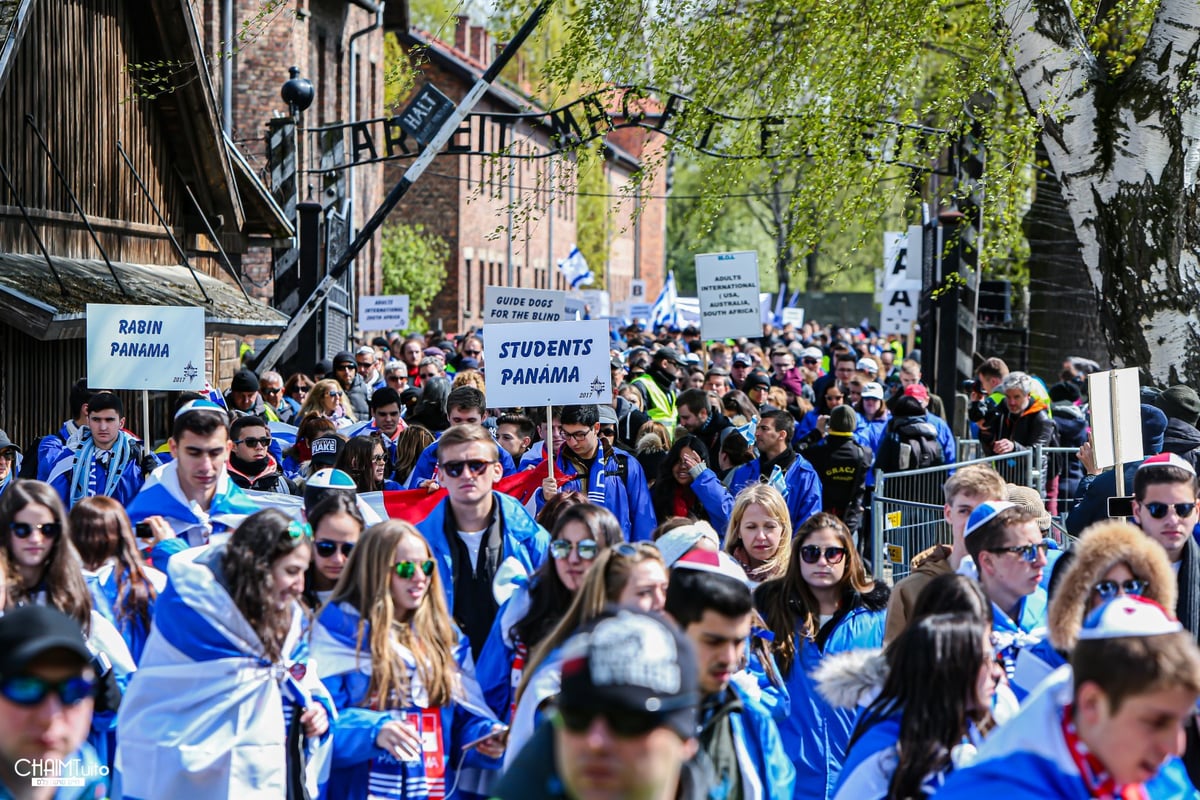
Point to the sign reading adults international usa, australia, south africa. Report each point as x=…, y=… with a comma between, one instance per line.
x=548, y=363
x=727, y=286
x=158, y=348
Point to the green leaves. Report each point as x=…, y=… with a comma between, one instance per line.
x=414, y=263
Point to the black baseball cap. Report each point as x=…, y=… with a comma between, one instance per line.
x=755, y=379
x=344, y=357
x=29, y=631
x=627, y=660
x=326, y=449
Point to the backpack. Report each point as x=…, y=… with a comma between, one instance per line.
x=911, y=443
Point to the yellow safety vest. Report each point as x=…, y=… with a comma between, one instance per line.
x=662, y=404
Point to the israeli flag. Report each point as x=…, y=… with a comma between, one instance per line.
x=575, y=269
x=665, y=311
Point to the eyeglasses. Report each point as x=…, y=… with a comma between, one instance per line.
x=8, y=455
x=811, y=361
x=26, y=690
x=455, y=468
x=271, y=390
x=344, y=367
x=365, y=364
x=473, y=353
x=1027, y=552
x=396, y=378
x=1159, y=510
x=335, y=393
x=587, y=549
x=629, y=549
x=406, y=569
x=299, y=530
x=326, y=548
x=834, y=396
x=379, y=459
x=1107, y=590
x=251, y=441
x=23, y=530
x=608, y=432
x=624, y=724
x=576, y=436
x=811, y=554
x=301, y=389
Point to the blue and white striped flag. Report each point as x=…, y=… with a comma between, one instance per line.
x=665, y=310
x=575, y=269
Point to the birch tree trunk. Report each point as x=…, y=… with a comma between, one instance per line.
x=1127, y=155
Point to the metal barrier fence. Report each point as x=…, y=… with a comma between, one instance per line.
x=906, y=510
x=1058, y=495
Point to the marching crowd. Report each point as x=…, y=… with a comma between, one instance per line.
x=364, y=582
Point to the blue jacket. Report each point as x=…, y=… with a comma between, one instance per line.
x=814, y=733
x=945, y=438
x=803, y=487
x=871, y=763
x=427, y=463
x=103, y=588
x=524, y=539
x=760, y=750
x=628, y=500
x=869, y=434
x=716, y=499
x=493, y=670
x=127, y=486
x=356, y=727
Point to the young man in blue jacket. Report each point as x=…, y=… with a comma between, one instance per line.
x=474, y=529
x=713, y=606
x=801, y=486
x=610, y=479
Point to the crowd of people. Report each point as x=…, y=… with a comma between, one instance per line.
x=364, y=582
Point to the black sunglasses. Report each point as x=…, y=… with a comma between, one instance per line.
x=811, y=554
x=251, y=441
x=326, y=548
x=624, y=724
x=1107, y=590
x=26, y=690
x=1159, y=510
x=455, y=468
x=1027, y=552
x=23, y=530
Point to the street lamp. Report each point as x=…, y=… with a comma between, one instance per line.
x=297, y=92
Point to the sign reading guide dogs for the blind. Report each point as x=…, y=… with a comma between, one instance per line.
x=548, y=363
x=505, y=304
x=145, y=347
x=727, y=285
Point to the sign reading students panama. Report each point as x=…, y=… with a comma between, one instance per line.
x=145, y=347
x=547, y=363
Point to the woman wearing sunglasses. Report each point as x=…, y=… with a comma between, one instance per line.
x=337, y=525
x=1111, y=559
x=686, y=487
x=122, y=586
x=328, y=400
x=624, y=574
x=537, y=603
x=825, y=603
x=400, y=673
x=295, y=391
x=760, y=532
x=223, y=704
x=365, y=460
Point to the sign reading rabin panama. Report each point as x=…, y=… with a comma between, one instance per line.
x=145, y=347
x=548, y=363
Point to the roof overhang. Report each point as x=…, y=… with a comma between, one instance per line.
x=32, y=301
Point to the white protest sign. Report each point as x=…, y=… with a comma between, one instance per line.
x=548, y=363
x=506, y=304
x=641, y=311
x=901, y=285
x=1114, y=398
x=145, y=347
x=572, y=308
x=794, y=316
x=597, y=301
x=620, y=309
x=727, y=286
x=383, y=312
x=637, y=290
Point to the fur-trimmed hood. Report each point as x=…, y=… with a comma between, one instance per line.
x=1103, y=545
x=853, y=678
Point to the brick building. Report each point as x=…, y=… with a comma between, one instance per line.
x=338, y=45
x=509, y=220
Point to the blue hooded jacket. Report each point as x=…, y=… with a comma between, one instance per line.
x=628, y=500
x=524, y=539
x=803, y=487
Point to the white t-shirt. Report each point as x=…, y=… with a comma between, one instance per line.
x=473, y=540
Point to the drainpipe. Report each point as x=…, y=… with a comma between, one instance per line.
x=352, y=183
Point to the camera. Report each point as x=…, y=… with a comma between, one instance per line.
x=972, y=386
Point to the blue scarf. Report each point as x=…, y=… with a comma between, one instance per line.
x=84, y=464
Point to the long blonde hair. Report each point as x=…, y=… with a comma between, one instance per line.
x=315, y=402
x=767, y=496
x=430, y=634
x=602, y=584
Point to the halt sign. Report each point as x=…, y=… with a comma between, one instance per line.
x=727, y=286
x=548, y=363
x=145, y=347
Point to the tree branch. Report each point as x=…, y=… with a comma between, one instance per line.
x=1171, y=44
